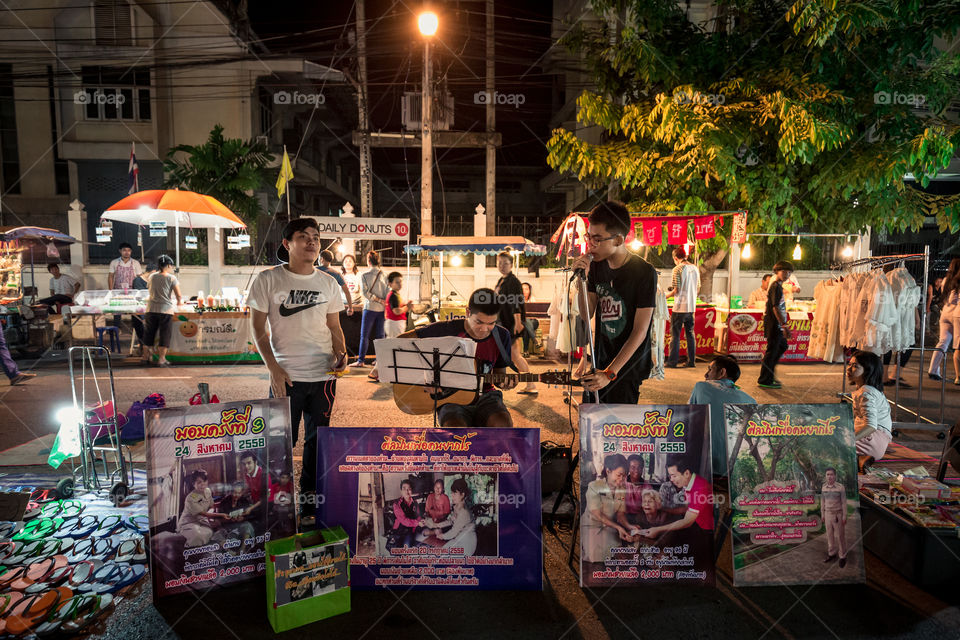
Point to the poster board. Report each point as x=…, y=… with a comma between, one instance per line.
x=745, y=338
x=220, y=485
x=212, y=337
x=669, y=448
x=481, y=531
x=784, y=530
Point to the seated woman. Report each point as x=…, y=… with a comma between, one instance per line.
x=462, y=531
x=652, y=513
x=197, y=520
x=438, y=504
x=407, y=516
x=604, y=522
x=871, y=409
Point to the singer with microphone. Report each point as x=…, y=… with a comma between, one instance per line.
x=625, y=286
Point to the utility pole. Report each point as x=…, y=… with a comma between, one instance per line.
x=427, y=22
x=366, y=173
x=491, y=208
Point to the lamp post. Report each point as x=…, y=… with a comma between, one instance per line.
x=427, y=22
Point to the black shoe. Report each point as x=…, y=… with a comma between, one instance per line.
x=843, y=562
x=831, y=559
x=934, y=376
x=688, y=365
x=671, y=366
x=770, y=385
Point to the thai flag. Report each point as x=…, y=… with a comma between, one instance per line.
x=133, y=172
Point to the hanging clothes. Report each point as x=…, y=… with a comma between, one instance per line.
x=658, y=335
x=907, y=295
x=825, y=329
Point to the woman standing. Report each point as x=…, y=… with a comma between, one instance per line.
x=161, y=305
x=352, y=277
x=871, y=409
x=949, y=323
x=462, y=533
x=374, y=287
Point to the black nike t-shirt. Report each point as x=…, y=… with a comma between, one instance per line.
x=620, y=292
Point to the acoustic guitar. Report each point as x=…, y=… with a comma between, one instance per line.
x=418, y=400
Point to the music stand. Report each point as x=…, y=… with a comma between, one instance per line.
x=446, y=363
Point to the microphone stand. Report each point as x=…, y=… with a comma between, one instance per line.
x=581, y=277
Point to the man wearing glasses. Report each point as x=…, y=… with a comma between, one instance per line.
x=624, y=288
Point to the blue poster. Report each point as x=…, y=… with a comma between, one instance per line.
x=435, y=508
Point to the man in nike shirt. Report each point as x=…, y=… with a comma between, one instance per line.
x=305, y=344
x=622, y=287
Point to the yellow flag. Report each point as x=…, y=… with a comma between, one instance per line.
x=286, y=175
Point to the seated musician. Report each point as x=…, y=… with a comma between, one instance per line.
x=493, y=356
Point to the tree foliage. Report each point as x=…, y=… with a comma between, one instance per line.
x=804, y=113
x=229, y=169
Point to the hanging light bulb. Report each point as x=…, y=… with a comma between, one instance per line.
x=797, y=252
x=635, y=245
x=746, y=252
x=847, y=251
x=456, y=260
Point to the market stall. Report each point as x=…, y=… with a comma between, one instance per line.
x=739, y=332
x=704, y=327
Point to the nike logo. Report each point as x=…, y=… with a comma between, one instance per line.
x=289, y=311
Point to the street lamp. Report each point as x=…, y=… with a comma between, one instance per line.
x=428, y=22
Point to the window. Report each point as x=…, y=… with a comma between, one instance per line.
x=112, y=23
x=9, y=150
x=111, y=93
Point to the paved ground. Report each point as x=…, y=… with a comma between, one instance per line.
x=887, y=606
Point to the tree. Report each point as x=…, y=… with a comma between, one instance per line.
x=229, y=169
x=807, y=114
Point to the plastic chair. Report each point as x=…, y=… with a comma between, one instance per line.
x=114, y=337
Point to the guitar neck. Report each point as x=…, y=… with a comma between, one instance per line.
x=495, y=378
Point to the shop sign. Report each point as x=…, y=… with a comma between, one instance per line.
x=158, y=229
x=364, y=228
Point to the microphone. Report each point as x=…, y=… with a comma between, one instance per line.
x=581, y=273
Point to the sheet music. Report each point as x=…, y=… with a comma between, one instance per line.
x=458, y=372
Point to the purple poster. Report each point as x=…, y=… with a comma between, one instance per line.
x=435, y=508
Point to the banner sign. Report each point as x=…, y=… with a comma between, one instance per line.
x=746, y=340
x=652, y=232
x=308, y=573
x=703, y=228
x=220, y=336
x=738, y=232
x=793, y=489
x=364, y=228
x=677, y=232
x=220, y=485
x=646, y=488
x=435, y=508
x=704, y=328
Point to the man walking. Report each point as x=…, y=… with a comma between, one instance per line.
x=775, y=326
x=685, y=286
x=304, y=347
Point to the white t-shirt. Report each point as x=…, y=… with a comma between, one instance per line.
x=63, y=285
x=297, y=307
x=124, y=272
x=685, y=297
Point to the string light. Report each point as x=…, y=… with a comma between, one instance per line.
x=635, y=245
x=456, y=260
x=797, y=252
x=847, y=250
x=746, y=252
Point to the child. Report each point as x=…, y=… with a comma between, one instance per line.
x=871, y=410
x=395, y=310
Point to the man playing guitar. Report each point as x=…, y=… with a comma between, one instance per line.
x=493, y=356
x=625, y=286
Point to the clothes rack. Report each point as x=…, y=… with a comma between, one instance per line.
x=880, y=261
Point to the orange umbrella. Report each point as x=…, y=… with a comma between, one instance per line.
x=176, y=208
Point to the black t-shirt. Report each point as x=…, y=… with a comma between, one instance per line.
x=775, y=299
x=489, y=356
x=511, y=292
x=620, y=292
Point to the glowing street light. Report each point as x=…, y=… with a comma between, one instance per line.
x=635, y=245
x=797, y=252
x=456, y=260
x=746, y=252
x=428, y=22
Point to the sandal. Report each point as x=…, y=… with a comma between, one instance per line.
x=80, y=527
x=43, y=495
x=39, y=529
x=107, y=526
x=139, y=523
x=78, y=613
x=10, y=576
x=131, y=550
x=8, y=529
x=63, y=508
x=90, y=549
x=31, y=610
x=111, y=577
x=26, y=552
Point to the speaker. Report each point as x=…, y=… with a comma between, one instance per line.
x=555, y=461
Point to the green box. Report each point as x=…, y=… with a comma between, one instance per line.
x=307, y=561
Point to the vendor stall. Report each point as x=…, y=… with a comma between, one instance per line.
x=704, y=327
x=739, y=332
